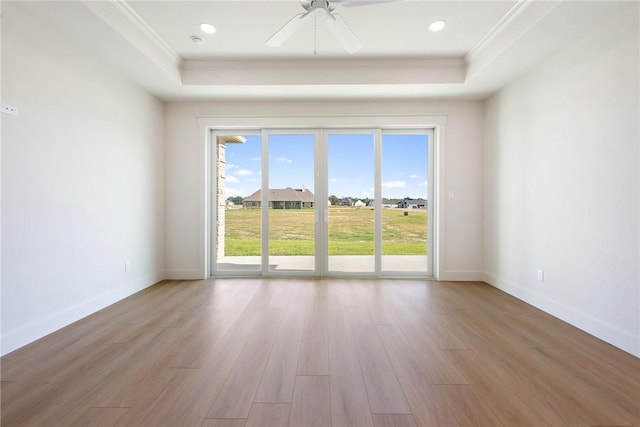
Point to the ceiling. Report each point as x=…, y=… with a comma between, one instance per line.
x=484, y=46
x=390, y=29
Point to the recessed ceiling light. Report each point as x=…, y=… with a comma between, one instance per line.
x=437, y=25
x=207, y=28
x=198, y=41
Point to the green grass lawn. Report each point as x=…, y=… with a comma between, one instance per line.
x=291, y=232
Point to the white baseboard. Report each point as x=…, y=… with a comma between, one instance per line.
x=12, y=340
x=461, y=276
x=594, y=326
x=183, y=275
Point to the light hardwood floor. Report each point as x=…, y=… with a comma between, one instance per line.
x=270, y=352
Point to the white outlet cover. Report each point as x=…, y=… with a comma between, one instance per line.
x=9, y=109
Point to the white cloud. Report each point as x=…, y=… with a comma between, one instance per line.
x=253, y=180
x=285, y=160
x=394, y=184
x=254, y=159
x=243, y=172
x=232, y=179
x=423, y=183
x=231, y=166
x=414, y=176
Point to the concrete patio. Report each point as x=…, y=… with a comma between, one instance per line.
x=338, y=264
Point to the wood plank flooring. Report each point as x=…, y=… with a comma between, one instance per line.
x=276, y=352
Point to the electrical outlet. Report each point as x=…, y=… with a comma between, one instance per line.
x=541, y=275
x=9, y=109
x=127, y=267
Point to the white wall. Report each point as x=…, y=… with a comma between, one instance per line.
x=1, y=179
x=562, y=184
x=82, y=184
x=462, y=173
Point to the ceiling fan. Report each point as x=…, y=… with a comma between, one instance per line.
x=323, y=9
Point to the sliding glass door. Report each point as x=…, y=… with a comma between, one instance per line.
x=406, y=193
x=236, y=223
x=288, y=194
x=351, y=226
x=320, y=202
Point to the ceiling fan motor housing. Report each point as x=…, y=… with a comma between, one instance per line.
x=311, y=5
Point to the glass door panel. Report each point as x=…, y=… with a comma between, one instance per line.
x=291, y=202
x=324, y=202
x=405, y=203
x=351, y=216
x=237, y=219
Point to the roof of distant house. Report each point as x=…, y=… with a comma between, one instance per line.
x=413, y=201
x=284, y=194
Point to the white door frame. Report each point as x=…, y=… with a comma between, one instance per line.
x=317, y=159
x=388, y=123
x=376, y=133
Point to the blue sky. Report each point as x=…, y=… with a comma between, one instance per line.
x=350, y=165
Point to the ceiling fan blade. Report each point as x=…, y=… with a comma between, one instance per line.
x=343, y=33
x=289, y=29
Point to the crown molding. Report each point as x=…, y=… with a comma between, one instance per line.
x=121, y=17
x=519, y=21
x=496, y=30
x=146, y=29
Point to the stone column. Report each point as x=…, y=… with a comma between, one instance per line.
x=221, y=176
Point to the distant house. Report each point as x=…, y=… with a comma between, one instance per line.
x=285, y=198
x=389, y=203
x=409, y=203
x=359, y=204
x=347, y=201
